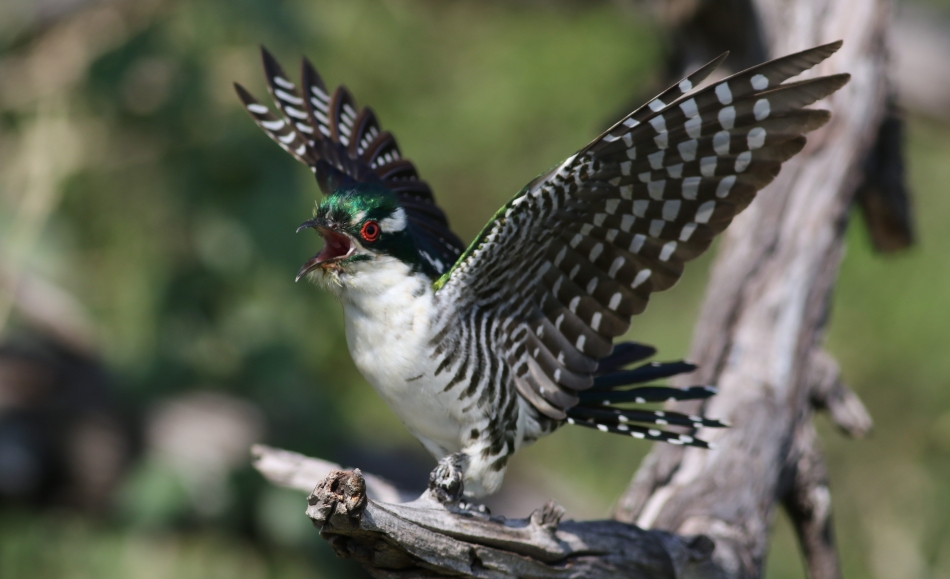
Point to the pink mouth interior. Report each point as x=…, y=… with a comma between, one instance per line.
x=335, y=246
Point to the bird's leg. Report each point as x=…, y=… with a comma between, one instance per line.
x=446, y=486
x=445, y=481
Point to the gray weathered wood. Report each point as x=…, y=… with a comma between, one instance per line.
x=423, y=539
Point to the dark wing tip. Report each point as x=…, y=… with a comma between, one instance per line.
x=243, y=94
x=831, y=47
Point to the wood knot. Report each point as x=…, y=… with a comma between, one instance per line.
x=338, y=501
x=548, y=517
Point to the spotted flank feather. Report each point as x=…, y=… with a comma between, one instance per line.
x=342, y=143
x=556, y=276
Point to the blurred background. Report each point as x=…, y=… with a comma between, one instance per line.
x=150, y=329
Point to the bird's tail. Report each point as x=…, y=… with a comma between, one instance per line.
x=598, y=407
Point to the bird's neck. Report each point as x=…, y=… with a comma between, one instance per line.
x=385, y=289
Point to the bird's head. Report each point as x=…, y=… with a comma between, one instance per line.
x=360, y=224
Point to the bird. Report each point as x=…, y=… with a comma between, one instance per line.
x=483, y=349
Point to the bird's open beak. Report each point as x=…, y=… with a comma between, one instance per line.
x=336, y=246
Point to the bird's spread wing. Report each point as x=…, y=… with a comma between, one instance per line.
x=339, y=141
x=565, y=264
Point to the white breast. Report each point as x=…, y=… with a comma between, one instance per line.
x=389, y=311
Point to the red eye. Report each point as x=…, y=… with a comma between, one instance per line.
x=370, y=231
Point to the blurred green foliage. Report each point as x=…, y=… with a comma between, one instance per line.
x=173, y=224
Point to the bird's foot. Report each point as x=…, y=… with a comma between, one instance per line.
x=446, y=486
x=473, y=509
x=445, y=481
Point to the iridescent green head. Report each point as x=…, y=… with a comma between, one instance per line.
x=358, y=223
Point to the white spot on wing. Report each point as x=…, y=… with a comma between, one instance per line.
x=727, y=117
x=761, y=109
x=641, y=277
x=707, y=166
x=626, y=222
x=694, y=127
x=614, y=301
x=592, y=285
x=287, y=97
x=283, y=82
x=687, y=149
x=615, y=266
x=705, y=211
x=723, y=93
x=721, y=143
x=668, y=248
x=689, y=108
x=595, y=321
x=687, y=231
x=743, y=160
x=256, y=108
x=759, y=82
x=640, y=207
x=636, y=244
x=671, y=209
x=756, y=138
x=691, y=187
x=725, y=186
x=596, y=251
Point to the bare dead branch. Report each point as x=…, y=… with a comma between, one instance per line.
x=829, y=392
x=423, y=539
x=295, y=471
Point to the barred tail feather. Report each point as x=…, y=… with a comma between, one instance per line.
x=646, y=394
x=596, y=406
x=641, y=374
x=624, y=354
x=642, y=432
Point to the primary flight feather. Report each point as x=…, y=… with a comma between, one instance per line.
x=482, y=351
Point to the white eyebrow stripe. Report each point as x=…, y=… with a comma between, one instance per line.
x=396, y=222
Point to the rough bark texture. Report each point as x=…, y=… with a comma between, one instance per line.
x=426, y=538
x=759, y=339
